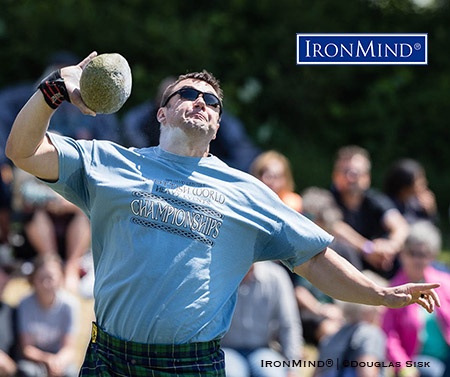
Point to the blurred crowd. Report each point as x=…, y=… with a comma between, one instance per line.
x=391, y=233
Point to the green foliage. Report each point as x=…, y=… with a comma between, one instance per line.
x=305, y=111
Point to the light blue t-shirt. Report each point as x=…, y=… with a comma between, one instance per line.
x=173, y=236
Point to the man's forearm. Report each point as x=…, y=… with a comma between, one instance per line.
x=339, y=279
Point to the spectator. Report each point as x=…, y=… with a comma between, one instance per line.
x=51, y=225
x=233, y=146
x=319, y=312
x=381, y=229
x=47, y=320
x=360, y=340
x=413, y=335
x=319, y=206
x=8, y=367
x=406, y=184
x=5, y=210
x=274, y=169
x=56, y=225
x=265, y=312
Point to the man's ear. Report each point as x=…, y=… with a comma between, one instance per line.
x=161, y=115
x=218, y=126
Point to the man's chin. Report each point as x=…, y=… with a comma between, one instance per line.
x=197, y=124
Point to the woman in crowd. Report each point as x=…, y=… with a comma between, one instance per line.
x=47, y=323
x=414, y=335
x=274, y=169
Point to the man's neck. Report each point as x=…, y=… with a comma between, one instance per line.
x=175, y=141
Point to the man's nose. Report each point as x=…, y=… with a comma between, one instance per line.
x=200, y=102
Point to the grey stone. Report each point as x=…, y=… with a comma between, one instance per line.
x=105, y=83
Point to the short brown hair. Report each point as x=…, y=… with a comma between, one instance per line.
x=349, y=151
x=204, y=75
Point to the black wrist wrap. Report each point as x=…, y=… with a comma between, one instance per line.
x=54, y=89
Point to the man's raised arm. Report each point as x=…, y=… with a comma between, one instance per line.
x=28, y=147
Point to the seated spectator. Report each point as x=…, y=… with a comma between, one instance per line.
x=5, y=210
x=57, y=225
x=379, y=227
x=51, y=225
x=320, y=314
x=415, y=335
x=406, y=184
x=8, y=367
x=5, y=193
x=360, y=340
x=47, y=323
x=274, y=169
x=265, y=312
x=233, y=146
x=319, y=206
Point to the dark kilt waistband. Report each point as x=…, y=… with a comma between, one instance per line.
x=139, y=359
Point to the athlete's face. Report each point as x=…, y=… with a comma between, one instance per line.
x=190, y=110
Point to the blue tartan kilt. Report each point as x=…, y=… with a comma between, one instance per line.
x=109, y=356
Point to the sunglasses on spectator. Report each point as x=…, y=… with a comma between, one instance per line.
x=192, y=94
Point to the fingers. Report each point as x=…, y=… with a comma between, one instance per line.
x=82, y=106
x=432, y=295
x=76, y=99
x=425, y=295
x=427, y=301
x=86, y=60
x=418, y=288
x=79, y=102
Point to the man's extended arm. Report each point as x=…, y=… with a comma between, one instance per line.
x=336, y=277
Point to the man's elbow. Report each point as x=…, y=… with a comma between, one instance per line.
x=10, y=151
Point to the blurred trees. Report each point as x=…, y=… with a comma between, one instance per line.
x=305, y=111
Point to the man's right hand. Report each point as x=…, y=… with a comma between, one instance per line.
x=71, y=76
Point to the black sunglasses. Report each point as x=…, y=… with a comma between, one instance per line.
x=192, y=94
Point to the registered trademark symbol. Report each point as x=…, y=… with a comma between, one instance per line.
x=417, y=46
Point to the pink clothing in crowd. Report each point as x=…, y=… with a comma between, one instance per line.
x=403, y=326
